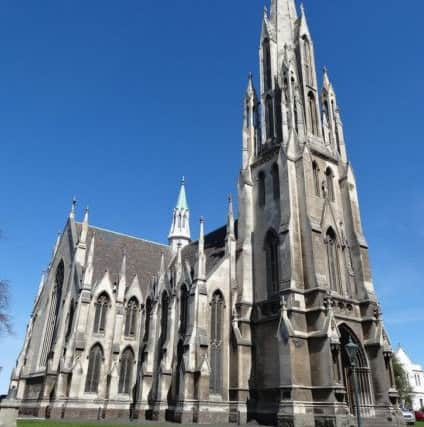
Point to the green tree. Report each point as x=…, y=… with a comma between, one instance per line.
x=402, y=383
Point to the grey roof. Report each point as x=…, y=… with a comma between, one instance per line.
x=214, y=249
x=143, y=257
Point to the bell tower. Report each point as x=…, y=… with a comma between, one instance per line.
x=311, y=286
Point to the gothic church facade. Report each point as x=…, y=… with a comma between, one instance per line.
x=251, y=321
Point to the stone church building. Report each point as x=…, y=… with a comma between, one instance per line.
x=250, y=321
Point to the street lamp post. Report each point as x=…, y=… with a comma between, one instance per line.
x=352, y=351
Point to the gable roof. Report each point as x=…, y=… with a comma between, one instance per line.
x=143, y=256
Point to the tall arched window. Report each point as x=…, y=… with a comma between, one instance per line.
x=131, y=318
x=278, y=114
x=272, y=262
x=266, y=52
x=275, y=182
x=102, y=305
x=269, y=119
x=315, y=171
x=330, y=183
x=333, y=260
x=53, y=317
x=95, y=362
x=164, y=318
x=148, y=315
x=183, y=310
x=70, y=320
x=308, y=61
x=313, y=116
x=216, y=344
x=261, y=189
x=126, y=371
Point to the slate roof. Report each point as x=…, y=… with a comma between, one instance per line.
x=143, y=257
x=214, y=249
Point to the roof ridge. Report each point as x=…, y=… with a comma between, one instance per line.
x=127, y=235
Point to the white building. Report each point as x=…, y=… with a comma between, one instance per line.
x=415, y=375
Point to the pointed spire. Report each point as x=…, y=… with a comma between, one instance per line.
x=182, y=198
x=230, y=219
x=73, y=206
x=180, y=227
x=250, y=91
x=84, y=229
x=162, y=269
x=326, y=84
x=88, y=274
x=201, y=258
x=122, y=285
x=56, y=245
x=283, y=17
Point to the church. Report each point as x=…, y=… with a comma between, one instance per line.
x=249, y=322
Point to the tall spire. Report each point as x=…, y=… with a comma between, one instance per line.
x=180, y=228
x=283, y=18
x=201, y=259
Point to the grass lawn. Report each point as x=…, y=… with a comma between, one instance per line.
x=42, y=423
x=55, y=423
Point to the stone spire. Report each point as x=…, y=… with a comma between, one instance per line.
x=201, y=258
x=283, y=18
x=230, y=219
x=180, y=228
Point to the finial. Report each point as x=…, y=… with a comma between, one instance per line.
x=183, y=180
x=73, y=206
x=302, y=8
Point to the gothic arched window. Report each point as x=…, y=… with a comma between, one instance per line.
x=95, y=361
x=266, y=52
x=53, y=317
x=164, y=318
x=313, y=116
x=308, y=61
x=183, y=310
x=333, y=260
x=261, y=189
x=275, y=182
x=315, y=171
x=330, y=183
x=70, y=320
x=216, y=344
x=278, y=113
x=131, y=318
x=148, y=315
x=272, y=262
x=102, y=305
x=269, y=119
x=126, y=371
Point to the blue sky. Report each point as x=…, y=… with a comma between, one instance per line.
x=115, y=101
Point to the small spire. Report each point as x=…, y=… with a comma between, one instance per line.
x=302, y=9
x=180, y=227
x=201, y=259
x=202, y=235
x=73, y=206
x=230, y=218
x=326, y=80
x=182, y=198
x=84, y=229
x=162, y=264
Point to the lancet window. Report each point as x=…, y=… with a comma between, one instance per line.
x=272, y=262
x=330, y=183
x=261, y=189
x=315, y=171
x=126, y=371
x=131, y=318
x=266, y=52
x=333, y=260
x=95, y=362
x=275, y=182
x=102, y=306
x=216, y=344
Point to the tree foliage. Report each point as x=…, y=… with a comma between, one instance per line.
x=402, y=383
x=5, y=322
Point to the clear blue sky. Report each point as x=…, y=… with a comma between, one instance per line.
x=115, y=101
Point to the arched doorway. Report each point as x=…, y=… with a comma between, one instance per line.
x=363, y=375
